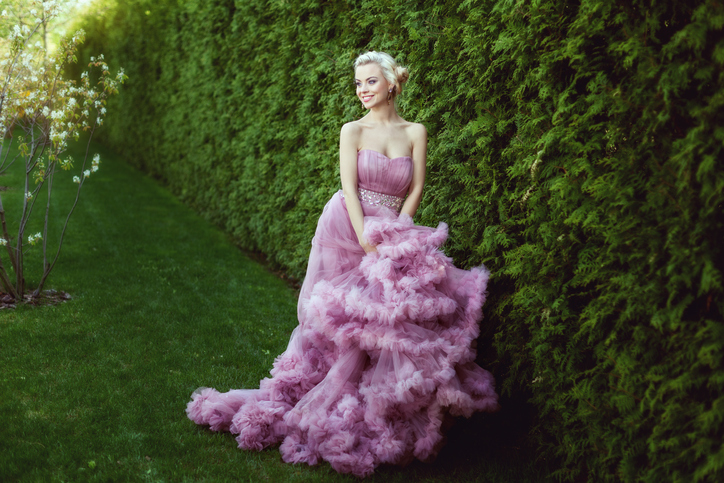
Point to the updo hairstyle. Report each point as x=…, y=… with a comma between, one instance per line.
x=393, y=72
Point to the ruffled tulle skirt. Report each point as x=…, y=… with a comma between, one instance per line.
x=383, y=353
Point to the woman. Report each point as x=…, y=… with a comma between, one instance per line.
x=383, y=351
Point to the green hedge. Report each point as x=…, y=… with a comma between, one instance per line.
x=575, y=148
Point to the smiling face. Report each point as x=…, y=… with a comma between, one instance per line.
x=372, y=87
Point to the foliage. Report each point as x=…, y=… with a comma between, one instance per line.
x=576, y=150
x=50, y=111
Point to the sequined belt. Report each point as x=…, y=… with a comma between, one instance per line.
x=375, y=198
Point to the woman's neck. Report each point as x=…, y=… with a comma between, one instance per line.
x=383, y=114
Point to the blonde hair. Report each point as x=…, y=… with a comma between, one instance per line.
x=393, y=72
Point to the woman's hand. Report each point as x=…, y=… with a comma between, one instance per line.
x=367, y=247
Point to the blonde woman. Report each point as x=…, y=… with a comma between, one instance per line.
x=384, y=348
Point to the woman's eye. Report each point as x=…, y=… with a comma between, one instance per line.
x=372, y=82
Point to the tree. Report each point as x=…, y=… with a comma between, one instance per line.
x=40, y=112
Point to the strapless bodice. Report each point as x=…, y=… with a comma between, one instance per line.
x=376, y=172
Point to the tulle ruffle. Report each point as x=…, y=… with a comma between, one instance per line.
x=382, y=356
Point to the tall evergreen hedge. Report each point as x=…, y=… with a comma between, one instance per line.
x=576, y=148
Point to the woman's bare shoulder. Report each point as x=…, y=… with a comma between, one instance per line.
x=351, y=132
x=416, y=131
x=352, y=127
x=415, y=127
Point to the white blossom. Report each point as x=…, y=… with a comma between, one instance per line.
x=50, y=4
x=86, y=173
x=28, y=195
x=76, y=179
x=3, y=242
x=33, y=239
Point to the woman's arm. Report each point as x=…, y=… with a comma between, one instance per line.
x=348, y=140
x=419, y=158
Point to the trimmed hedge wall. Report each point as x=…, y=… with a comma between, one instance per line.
x=576, y=148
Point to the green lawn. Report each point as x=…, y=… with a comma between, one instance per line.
x=163, y=302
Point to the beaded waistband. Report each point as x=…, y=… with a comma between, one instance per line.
x=375, y=198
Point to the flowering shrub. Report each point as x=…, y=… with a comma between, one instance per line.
x=40, y=113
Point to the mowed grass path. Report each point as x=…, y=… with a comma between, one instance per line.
x=163, y=302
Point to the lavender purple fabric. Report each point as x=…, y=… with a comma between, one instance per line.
x=383, y=353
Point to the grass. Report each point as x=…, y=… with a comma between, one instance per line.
x=163, y=302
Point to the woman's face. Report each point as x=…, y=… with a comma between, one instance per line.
x=372, y=87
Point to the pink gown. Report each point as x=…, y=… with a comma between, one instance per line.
x=384, y=348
